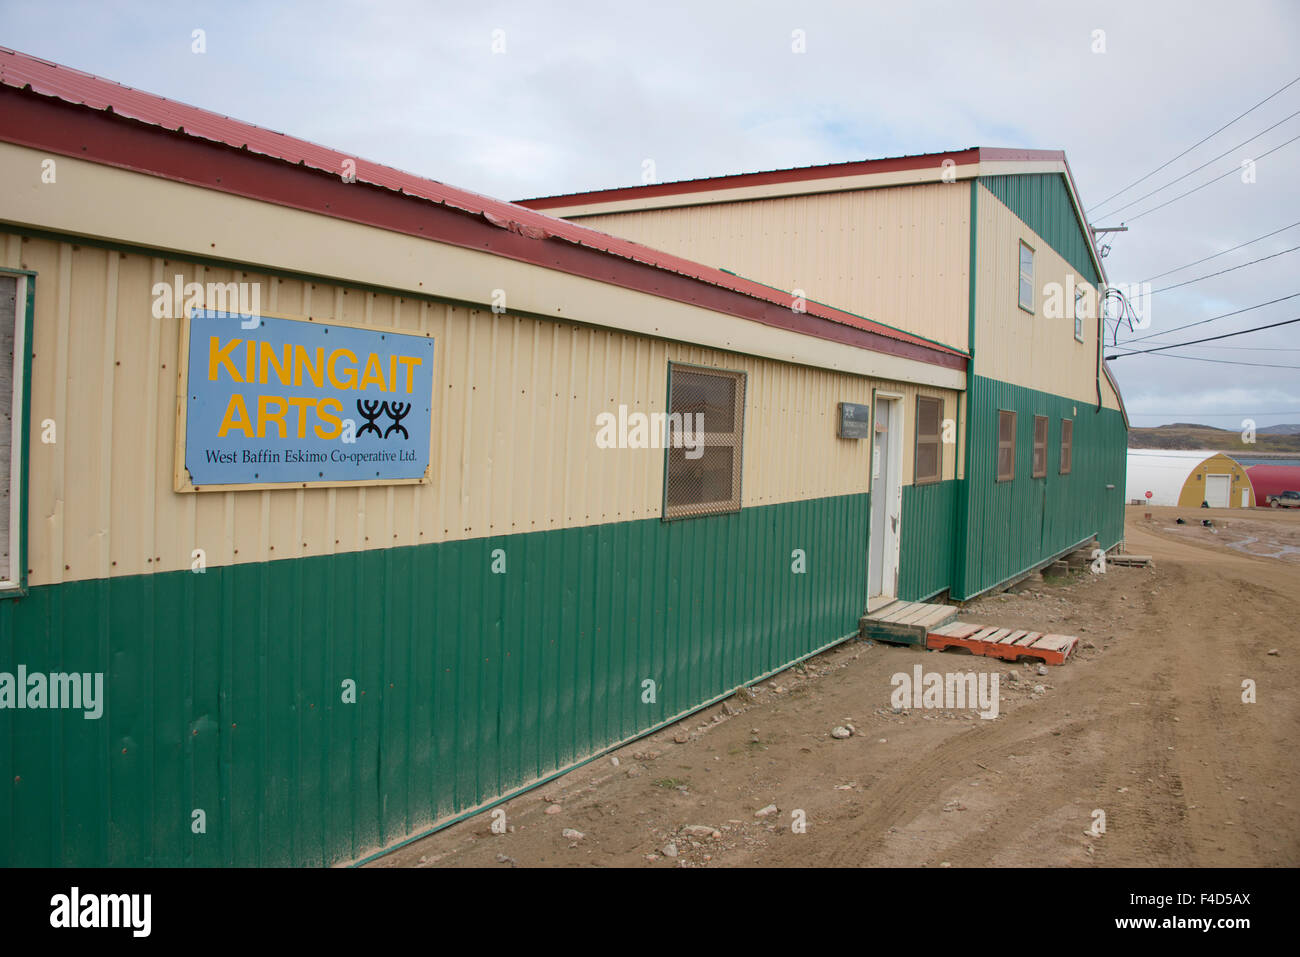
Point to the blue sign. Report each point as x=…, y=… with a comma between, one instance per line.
x=293, y=401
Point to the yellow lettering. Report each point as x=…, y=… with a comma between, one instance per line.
x=221, y=357
x=236, y=417
x=302, y=405
x=351, y=379
x=265, y=415
x=409, y=363
x=327, y=417
x=375, y=376
x=314, y=372
x=250, y=361
x=267, y=357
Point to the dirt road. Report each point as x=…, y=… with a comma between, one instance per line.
x=1147, y=725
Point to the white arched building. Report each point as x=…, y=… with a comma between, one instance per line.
x=1187, y=478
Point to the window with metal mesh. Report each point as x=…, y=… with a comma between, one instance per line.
x=1006, y=446
x=1040, y=446
x=929, y=448
x=1067, y=445
x=706, y=414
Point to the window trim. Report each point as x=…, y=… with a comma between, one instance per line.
x=1047, y=438
x=997, y=464
x=1020, y=277
x=1066, y=463
x=917, y=479
x=24, y=311
x=674, y=513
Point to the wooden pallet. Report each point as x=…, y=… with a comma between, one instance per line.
x=905, y=622
x=1006, y=643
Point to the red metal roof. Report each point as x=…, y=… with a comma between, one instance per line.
x=20, y=71
x=798, y=174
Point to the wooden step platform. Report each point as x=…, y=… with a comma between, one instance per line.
x=1139, y=561
x=905, y=622
x=1006, y=643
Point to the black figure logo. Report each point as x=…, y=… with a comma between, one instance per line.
x=372, y=409
x=397, y=411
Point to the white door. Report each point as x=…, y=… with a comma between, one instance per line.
x=1217, y=490
x=886, y=500
x=1245, y=498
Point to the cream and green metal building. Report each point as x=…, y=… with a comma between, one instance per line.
x=305, y=663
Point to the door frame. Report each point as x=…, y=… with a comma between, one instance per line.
x=892, y=486
x=1219, y=475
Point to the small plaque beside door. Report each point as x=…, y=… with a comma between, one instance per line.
x=855, y=421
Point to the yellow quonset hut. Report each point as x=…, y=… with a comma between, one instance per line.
x=1188, y=478
x=317, y=668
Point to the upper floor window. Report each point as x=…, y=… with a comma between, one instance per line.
x=1082, y=305
x=1026, y=277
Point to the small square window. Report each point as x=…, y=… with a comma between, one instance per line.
x=1026, y=277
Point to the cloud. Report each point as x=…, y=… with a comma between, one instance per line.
x=585, y=92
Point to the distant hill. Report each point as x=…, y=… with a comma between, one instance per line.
x=1188, y=435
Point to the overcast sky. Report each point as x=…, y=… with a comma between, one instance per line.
x=585, y=92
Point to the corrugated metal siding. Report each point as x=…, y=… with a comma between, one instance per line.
x=1042, y=201
x=894, y=255
x=1014, y=525
x=930, y=543
x=223, y=689
x=1013, y=345
x=513, y=445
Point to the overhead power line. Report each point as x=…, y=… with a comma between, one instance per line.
x=1226, y=362
x=1208, y=182
x=1225, y=335
x=1224, y=253
x=1157, y=342
x=1261, y=259
x=1159, y=189
x=1201, y=322
x=1196, y=144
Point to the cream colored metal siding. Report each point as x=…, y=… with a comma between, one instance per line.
x=513, y=442
x=1012, y=345
x=898, y=255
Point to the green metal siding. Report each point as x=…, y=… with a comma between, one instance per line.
x=1012, y=526
x=1042, y=201
x=929, y=543
x=223, y=688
